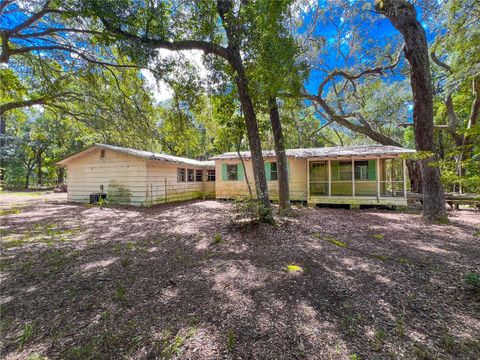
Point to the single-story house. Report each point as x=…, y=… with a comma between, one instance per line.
x=352, y=175
x=135, y=177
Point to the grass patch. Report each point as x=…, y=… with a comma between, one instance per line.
x=422, y=353
x=400, y=325
x=58, y=259
x=378, y=339
x=172, y=346
x=120, y=294
x=442, y=221
x=231, y=340
x=447, y=341
x=472, y=282
x=380, y=257
x=21, y=193
x=334, y=241
x=378, y=236
x=37, y=357
x=404, y=261
x=49, y=235
x=217, y=239
x=26, y=335
x=11, y=242
x=12, y=211
x=294, y=269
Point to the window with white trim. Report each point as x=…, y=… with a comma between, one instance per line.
x=210, y=175
x=180, y=175
x=232, y=172
x=190, y=175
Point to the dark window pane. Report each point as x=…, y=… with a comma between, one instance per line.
x=361, y=170
x=190, y=175
x=232, y=172
x=210, y=175
x=273, y=171
x=180, y=175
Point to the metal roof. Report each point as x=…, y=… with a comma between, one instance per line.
x=142, y=154
x=336, y=151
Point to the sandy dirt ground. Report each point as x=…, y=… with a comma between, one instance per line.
x=186, y=281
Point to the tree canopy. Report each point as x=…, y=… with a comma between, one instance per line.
x=73, y=73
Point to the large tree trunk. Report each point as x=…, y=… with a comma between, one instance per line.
x=27, y=179
x=3, y=128
x=415, y=176
x=265, y=212
x=233, y=31
x=403, y=16
x=39, y=169
x=282, y=171
x=60, y=175
x=243, y=164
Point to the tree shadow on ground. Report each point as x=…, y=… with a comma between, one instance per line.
x=182, y=281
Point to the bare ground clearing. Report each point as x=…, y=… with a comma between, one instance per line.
x=183, y=281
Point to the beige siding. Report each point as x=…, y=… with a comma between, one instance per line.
x=235, y=189
x=162, y=185
x=123, y=177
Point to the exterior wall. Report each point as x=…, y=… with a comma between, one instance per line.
x=299, y=187
x=122, y=176
x=162, y=185
x=230, y=189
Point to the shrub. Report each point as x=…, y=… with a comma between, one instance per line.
x=472, y=281
x=217, y=239
x=249, y=209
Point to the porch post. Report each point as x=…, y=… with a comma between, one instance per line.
x=378, y=178
x=308, y=180
x=329, y=178
x=404, y=177
x=353, y=177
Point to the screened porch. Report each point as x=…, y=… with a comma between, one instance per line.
x=374, y=180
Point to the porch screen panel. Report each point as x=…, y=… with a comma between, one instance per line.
x=391, y=179
x=318, y=178
x=342, y=178
x=365, y=178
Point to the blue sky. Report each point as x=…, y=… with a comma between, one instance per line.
x=378, y=33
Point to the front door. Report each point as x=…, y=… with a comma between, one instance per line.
x=318, y=178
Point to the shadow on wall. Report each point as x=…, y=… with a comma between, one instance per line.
x=118, y=194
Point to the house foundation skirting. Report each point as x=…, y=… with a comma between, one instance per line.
x=357, y=200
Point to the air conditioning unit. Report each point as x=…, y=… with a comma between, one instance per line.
x=95, y=198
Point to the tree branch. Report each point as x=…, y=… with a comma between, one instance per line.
x=440, y=63
x=205, y=46
x=378, y=70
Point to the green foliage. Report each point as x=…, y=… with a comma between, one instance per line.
x=120, y=294
x=172, y=346
x=12, y=211
x=334, y=241
x=379, y=338
x=231, y=340
x=217, y=239
x=249, y=209
x=26, y=335
x=472, y=281
x=294, y=269
x=400, y=325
